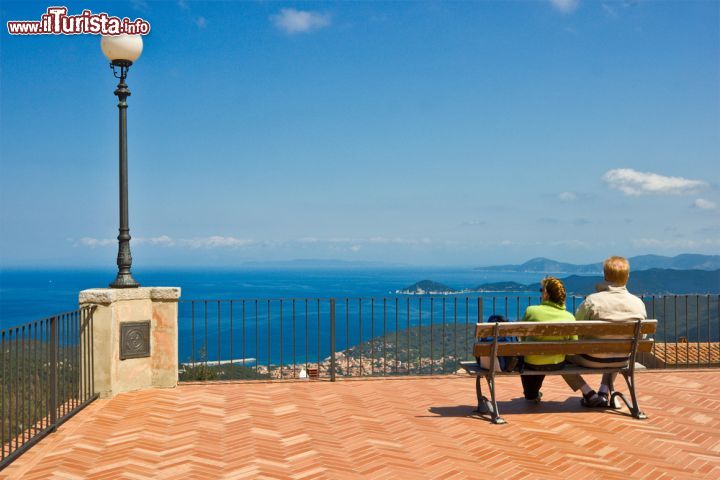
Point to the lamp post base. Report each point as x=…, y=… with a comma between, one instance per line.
x=124, y=281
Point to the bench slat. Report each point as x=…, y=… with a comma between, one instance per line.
x=620, y=346
x=583, y=327
x=472, y=368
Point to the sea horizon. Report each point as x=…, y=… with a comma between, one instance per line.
x=28, y=294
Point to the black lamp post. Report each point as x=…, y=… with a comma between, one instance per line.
x=122, y=51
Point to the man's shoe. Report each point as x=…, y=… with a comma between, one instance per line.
x=610, y=401
x=593, y=400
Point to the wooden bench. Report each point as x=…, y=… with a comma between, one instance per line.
x=634, y=340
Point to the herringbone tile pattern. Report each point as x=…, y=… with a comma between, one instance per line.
x=687, y=354
x=385, y=429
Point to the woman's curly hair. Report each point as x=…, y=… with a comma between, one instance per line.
x=555, y=289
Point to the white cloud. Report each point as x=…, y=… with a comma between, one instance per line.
x=357, y=242
x=97, y=242
x=201, y=22
x=676, y=243
x=703, y=204
x=336, y=244
x=610, y=11
x=162, y=240
x=400, y=241
x=567, y=196
x=473, y=223
x=337, y=240
x=631, y=182
x=565, y=6
x=216, y=241
x=569, y=243
x=293, y=21
x=183, y=4
x=140, y=5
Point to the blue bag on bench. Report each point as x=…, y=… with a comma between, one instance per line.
x=504, y=363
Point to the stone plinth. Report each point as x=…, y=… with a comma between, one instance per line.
x=134, y=306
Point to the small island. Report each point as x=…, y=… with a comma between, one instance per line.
x=427, y=287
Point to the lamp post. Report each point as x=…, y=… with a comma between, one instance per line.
x=122, y=51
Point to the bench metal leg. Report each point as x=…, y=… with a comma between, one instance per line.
x=484, y=405
x=634, y=409
x=478, y=393
x=496, y=418
x=621, y=397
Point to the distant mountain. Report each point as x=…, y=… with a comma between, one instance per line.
x=427, y=287
x=686, y=261
x=543, y=265
x=656, y=281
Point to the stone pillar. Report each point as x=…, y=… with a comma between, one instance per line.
x=126, y=321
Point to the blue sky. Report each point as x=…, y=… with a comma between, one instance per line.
x=429, y=133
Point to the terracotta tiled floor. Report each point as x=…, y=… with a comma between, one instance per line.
x=381, y=429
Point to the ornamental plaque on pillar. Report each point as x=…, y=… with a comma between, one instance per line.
x=134, y=340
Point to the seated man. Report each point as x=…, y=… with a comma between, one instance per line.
x=612, y=303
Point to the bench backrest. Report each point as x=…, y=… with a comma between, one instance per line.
x=625, y=337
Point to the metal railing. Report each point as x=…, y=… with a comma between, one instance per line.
x=688, y=334
x=404, y=335
x=46, y=377
x=282, y=338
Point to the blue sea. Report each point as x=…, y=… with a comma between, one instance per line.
x=282, y=315
x=27, y=295
x=276, y=316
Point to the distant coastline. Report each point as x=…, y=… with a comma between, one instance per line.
x=655, y=281
x=430, y=287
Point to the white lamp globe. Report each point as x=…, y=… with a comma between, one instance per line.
x=122, y=47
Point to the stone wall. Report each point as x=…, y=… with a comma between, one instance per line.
x=131, y=307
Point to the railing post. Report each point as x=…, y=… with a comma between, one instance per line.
x=53, y=373
x=480, y=310
x=332, y=339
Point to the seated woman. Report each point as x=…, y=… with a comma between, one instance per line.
x=552, y=309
